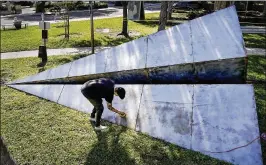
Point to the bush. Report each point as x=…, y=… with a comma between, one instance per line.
x=24, y=3
x=118, y=3
x=207, y=5
x=18, y=9
x=40, y=7
x=99, y=5
x=3, y=8
x=240, y=6
x=79, y=5
x=17, y=24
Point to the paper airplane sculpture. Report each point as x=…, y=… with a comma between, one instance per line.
x=207, y=49
x=217, y=120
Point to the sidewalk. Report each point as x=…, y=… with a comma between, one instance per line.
x=253, y=29
x=51, y=52
x=87, y=50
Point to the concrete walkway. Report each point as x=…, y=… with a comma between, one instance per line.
x=51, y=52
x=87, y=50
x=253, y=29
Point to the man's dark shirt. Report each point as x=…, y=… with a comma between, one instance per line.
x=99, y=88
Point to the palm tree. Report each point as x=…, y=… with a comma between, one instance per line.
x=264, y=11
x=40, y=7
x=170, y=10
x=221, y=4
x=142, y=12
x=163, y=15
x=125, y=20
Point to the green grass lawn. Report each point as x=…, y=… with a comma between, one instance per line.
x=42, y=132
x=30, y=38
x=255, y=40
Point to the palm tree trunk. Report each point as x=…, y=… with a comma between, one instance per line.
x=221, y=4
x=163, y=15
x=170, y=10
x=142, y=12
x=264, y=11
x=125, y=21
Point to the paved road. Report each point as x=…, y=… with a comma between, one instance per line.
x=28, y=15
x=87, y=50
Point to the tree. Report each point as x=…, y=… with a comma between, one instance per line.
x=65, y=7
x=40, y=7
x=264, y=11
x=170, y=10
x=163, y=15
x=250, y=5
x=221, y=4
x=125, y=20
x=142, y=12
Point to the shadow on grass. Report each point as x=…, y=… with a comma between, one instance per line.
x=181, y=11
x=256, y=71
x=255, y=40
x=256, y=68
x=109, y=150
x=260, y=94
x=156, y=23
x=13, y=28
x=6, y=76
x=62, y=61
x=79, y=56
x=252, y=20
x=252, y=24
x=110, y=41
x=117, y=40
x=118, y=146
x=173, y=19
x=85, y=43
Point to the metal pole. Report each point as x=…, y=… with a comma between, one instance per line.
x=92, y=29
x=44, y=42
x=42, y=49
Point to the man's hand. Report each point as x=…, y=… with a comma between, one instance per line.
x=111, y=108
x=122, y=114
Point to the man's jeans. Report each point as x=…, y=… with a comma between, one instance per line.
x=98, y=110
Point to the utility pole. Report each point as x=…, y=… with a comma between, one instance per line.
x=92, y=29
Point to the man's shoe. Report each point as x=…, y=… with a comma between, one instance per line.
x=92, y=119
x=100, y=128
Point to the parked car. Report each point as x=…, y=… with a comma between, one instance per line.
x=187, y=5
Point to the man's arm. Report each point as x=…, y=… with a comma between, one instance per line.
x=111, y=108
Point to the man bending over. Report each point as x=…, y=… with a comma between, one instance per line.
x=94, y=91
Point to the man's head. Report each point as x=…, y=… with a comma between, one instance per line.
x=119, y=91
